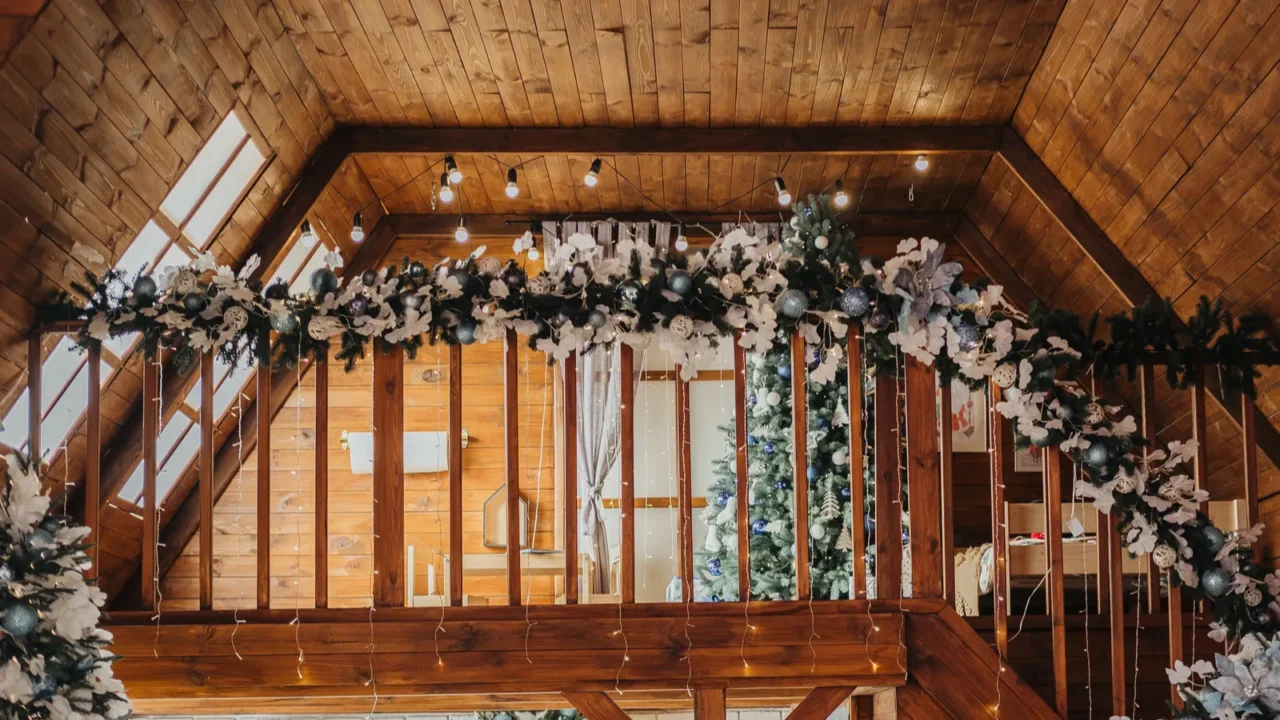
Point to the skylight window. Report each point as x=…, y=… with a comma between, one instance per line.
x=222, y=197
x=209, y=162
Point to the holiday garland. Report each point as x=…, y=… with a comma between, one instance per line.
x=814, y=282
x=54, y=661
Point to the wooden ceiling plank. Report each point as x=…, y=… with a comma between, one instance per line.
x=563, y=183
x=335, y=101
x=673, y=183
x=858, y=65
x=573, y=19
x=650, y=182
x=778, y=75
x=940, y=63
x=625, y=171
x=1060, y=44
x=1228, y=277
x=1035, y=36
x=996, y=62
x=926, y=29
x=561, y=67
x=474, y=60
x=695, y=46
x=697, y=182
x=836, y=45
x=420, y=64
x=973, y=51
x=806, y=57
x=752, y=39
x=894, y=36
x=637, y=32
x=612, y=48
x=668, y=55
x=724, y=69
x=528, y=102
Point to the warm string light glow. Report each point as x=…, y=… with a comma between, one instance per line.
x=156, y=594
x=308, y=236
x=1137, y=635
x=593, y=175
x=784, y=197
x=357, y=228
x=235, y=613
x=512, y=188
x=841, y=198
x=461, y=234
x=446, y=190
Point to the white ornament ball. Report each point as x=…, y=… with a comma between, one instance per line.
x=490, y=265
x=731, y=285
x=1252, y=596
x=773, y=399
x=1169, y=492
x=795, y=222
x=236, y=318
x=1125, y=482
x=540, y=285
x=1005, y=375
x=681, y=326
x=839, y=457
x=1094, y=414
x=817, y=531
x=1165, y=556
x=821, y=242
x=323, y=327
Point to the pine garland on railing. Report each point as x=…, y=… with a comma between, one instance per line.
x=813, y=281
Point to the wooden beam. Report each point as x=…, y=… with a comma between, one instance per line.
x=1110, y=526
x=455, y=475
x=888, y=490
x=627, y=456
x=35, y=404
x=151, y=430
x=999, y=525
x=857, y=465
x=93, y=455
x=800, y=462
x=1200, y=432
x=709, y=704
x=388, y=476
x=571, y=479
x=668, y=141
x=596, y=705
x=206, y=479
x=820, y=703
x=1053, y=550
x=263, y=380
x=993, y=264
x=321, y=370
x=1147, y=413
x=684, y=482
x=924, y=480
x=1249, y=448
x=742, y=484
x=511, y=445
x=946, y=473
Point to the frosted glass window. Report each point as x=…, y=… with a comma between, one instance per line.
x=292, y=262
x=210, y=213
x=143, y=250
x=177, y=463
x=58, y=421
x=61, y=363
x=301, y=283
x=226, y=394
x=132, y=490
x=211, y=158
x=178, y=424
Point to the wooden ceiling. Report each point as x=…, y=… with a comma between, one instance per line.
x=669, y=62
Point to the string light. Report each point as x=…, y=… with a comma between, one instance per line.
x=308, y=235
x=784, y=197
x=593, y=175
x=446, y=190
x=512, y=188
x=682, y=242
x=451, y=170
x=357, y=228
x=461, y=234
x=922, y=163
x=841, y=198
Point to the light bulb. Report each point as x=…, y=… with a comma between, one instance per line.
x=357, y=228
x=682, y=242
x=451, y=169
x=593, y=175
x=308, y=235
x=461, y=233
x=922, y=163
x=512, y=188
x=841, y=198
x=784, y=197
x=446, y=190
x=534, y=254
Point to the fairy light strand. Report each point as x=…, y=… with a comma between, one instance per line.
x=297, y=510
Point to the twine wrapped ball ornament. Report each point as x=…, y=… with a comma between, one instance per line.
x=1252, y=596
x=681, y=326
x=1094, y=413
x=1164, y=556
x=1005, y=375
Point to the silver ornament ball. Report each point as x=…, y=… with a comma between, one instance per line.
x=821, y=242
x=1215, y=581
x=793, y=303
x=680, y=282
x=855, y=301
x=20, y=620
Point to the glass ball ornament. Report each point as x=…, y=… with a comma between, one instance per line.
x=1215, y=582
x=793, y=303
x=722, y=498
x=466, y=332
x=758, y=526
x=1097, y=455
x=358, y=305
x=716, y=598
x=751, y=440
x=839, y=457
x=969, y=336
x=323, y=281
x=597, y=319
x=513, y=277
x=817, y=531
x=880, y=320
x=821, y=242
x=1005, y=375
x=680, y=282
x=751, y=400
x=629, y=292
x=812, y=473
x=795, y=222
x=559, y=319
x=769, y=447
x=782, y=484
x=784, y=371
x=417, y=271
x=278, y=290
x=20, y=620
x=774, y=399
x=1164, y=556
x=369, y=278
x=1260, y=616
x=461, y=276
x=713, y=567
x=45, y=686
x=194, y=303
x=846, y=492
x=1213, y=538
x=144, y=287
x=288, y=322
x=855, y=301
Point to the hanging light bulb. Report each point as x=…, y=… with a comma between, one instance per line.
x=446, y=190
x=534, y=254
x=593, y=175
x=682, y=242
x=784, y=197
x=922, y=163
x=308, y=235
x=512, y=188
x=461, y=233
x=451, y=169
x=357, y=228
x=841, y=198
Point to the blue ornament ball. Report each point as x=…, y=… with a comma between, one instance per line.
x=1214, y=538
x=855, y=301
x=713, y=567
x=716, y=598
x=1215, y=581
x=846, y=492
x=20, y=620
x=751, y=400
x=680, y=282
x=812, y=473
x=466, y=332
x=758, y=526
x=782, y=484
x=970, y=336
x=793, y=303
x=722, y=498
x=751, y=440
x=824, y=423
x=45, y=686
x=769, y=447
x=284, y=323
x=784, y=371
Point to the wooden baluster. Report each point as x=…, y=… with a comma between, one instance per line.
x=1249, y=445
x=455, y=475
x=1199, y=432
x=93, y=457
x=888, y=491
x=999, y=526
x=1115, y=579
x=388, y=476
x=263, y=449
x=924, y=480
x=948, y=499
x=800, y=463
x=150, y=430
x=206, y=480
x=35, y=405
x=857, y=489
x=684, y=482
x=571, y=479
x=321, y=371
x=1147, y=388
x=743, y=494
x=1053, y=552
x=627, y=428
x=511, y=421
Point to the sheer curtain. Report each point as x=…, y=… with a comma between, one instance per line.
x=599, y=445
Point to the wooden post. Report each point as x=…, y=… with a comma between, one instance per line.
x=948, y=499
x=150, y=430
x=924, y=480
x=571, y=479
x=35, y=405
x=857, y=488
x=1199, y=432
x=1053, y=551
x=800, y=463
x=888, y=491
x=263, y=449
x=684, y=481
x=742, y=490
x=709, y=704
x=999, y=527
x=1249, y=446
x=1147, y=387
x=206, y=480
x=1115, y=580
x=93, y=457
x=321, y=370
x=455, y=475
x=388, y=476
x=511, y=422
x=627, y=425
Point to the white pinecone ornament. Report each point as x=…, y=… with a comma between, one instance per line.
x=1165, y=556
x=1005, y=375
x=1252, y=596
x=1094, y=414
